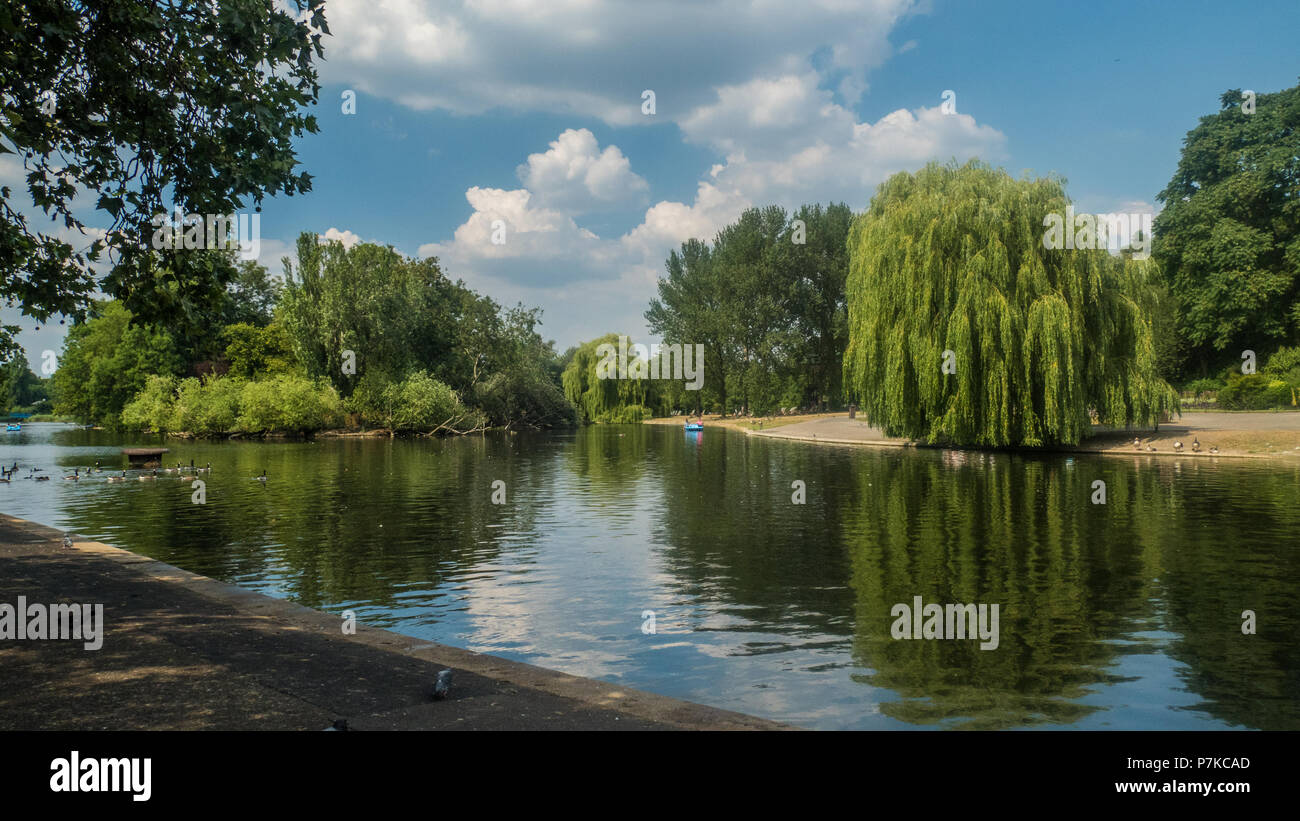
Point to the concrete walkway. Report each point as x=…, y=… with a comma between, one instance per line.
x=185, y=652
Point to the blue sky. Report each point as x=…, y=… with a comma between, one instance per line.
x=530, y=113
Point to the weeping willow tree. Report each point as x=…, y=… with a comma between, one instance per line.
x=948, y=267
x=608, y=399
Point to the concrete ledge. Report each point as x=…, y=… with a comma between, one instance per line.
x=286, y=654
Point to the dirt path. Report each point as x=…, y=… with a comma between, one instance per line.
x=1258, y=434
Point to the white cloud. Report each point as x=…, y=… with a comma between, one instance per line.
x=575, y=174
x=335, y=235
x=594, y=57
x=787, y=142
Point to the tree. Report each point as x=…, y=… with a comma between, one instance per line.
x=948, y=268
x=106, y=361
x=19, y=387
x=1228, y=238
x=391, y=312
x=131, y=101
x=602, y=397
x=767, y=301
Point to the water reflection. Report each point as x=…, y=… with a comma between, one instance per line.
x=1121, y=615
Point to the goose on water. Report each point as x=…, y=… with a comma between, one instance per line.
x=145, y=477
x=262, y=478
x=121, y=478
x=74, y=476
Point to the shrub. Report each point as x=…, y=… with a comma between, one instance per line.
x=1257, y=392
x=1283, y=361
x=207, y=407
x=288, y=403
x=422, y=403
x=151, y=408
x=1200, y=386
x=417, y=403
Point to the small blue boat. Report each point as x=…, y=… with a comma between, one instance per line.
x=13, y=427
x=695, y=426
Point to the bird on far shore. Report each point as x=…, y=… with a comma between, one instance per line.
x=1151, y=448
x=1196, y=445
x=1213, y=449
x=1178, y=446
x=67, y=541
x=1137, y=443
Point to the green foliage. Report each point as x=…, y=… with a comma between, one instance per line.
x=769, y=308
x=390, y=311
x=1257, y=391
x=252, y=350
x=150, y=99
x=601, y=399
x=151, y=409
x=1229, y=236
x=20, y=389
x=1284, y=362
x=952, y=259
x=288, y=404
x=524, y=396
x=207, y=407
x=1197, y=387
x=106, y=362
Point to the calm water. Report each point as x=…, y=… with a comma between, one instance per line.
x=1120, y=616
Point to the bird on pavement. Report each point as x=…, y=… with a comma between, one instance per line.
x=442, y=686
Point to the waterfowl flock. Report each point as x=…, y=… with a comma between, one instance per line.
x=1178, y=446
x=186, y=473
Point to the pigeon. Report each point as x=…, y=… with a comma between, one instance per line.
x=339, y=725
x=442, y=686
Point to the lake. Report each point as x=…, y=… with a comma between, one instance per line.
x=1123, y=615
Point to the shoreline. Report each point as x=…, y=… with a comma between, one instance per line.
x=183, y=651
x=1241, y=435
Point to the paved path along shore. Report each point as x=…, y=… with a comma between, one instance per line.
x=185, y=652
x=1234, y=434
